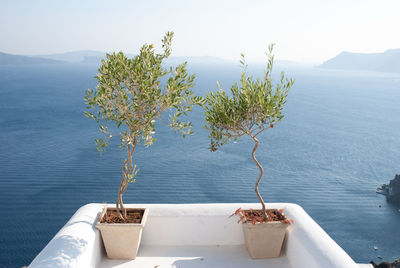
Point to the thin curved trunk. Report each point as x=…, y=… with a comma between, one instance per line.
x=124, y=182
x=259, y=177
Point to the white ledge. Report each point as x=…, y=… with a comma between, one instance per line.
x=193, y=235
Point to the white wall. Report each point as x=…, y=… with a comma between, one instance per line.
x=78, y=243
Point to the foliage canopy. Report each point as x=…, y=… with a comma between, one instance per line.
x=254, y=105
x=129, y=94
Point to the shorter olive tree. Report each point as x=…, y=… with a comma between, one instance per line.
x=129, y=94
x=254, y=106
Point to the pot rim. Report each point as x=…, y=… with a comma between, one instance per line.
x=142, y=223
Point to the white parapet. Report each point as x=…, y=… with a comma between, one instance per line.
x=193, y=235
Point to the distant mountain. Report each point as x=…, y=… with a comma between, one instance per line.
x=172, y=61
x=81, y=56
x=92, y=59
x=74, y=56
x=18, y=59
x=196, y=60
x=95, y=57
x=388, y=61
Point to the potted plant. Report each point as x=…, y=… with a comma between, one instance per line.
x=128, y=99
x=252, y=107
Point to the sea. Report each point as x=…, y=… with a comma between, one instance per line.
x=338, y=142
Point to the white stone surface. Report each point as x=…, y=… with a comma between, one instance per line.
x=77, y=244
x=192, y=235
x=195, y=256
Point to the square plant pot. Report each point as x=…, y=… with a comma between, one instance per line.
x=122, y=240
x=264, y=240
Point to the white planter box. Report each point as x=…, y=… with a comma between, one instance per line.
x=122, y=240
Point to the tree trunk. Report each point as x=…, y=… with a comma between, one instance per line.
x=124, y=182
x=259, y=177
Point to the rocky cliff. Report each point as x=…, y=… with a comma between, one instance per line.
x=391, y=190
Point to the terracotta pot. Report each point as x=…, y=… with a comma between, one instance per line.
x=264, y=240
x=122, y=240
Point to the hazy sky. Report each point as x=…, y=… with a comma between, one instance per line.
x=304, y=30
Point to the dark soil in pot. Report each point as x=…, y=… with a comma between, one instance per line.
x=256, y=216
x=132, y=216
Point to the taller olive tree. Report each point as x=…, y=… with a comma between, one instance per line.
x=129, y=94
x=254, y=106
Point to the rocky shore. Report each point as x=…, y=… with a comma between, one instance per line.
x=391, y=190
x=395, y=264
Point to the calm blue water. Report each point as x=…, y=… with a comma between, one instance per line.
x=340, y=139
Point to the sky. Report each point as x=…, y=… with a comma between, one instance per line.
x=308, y=31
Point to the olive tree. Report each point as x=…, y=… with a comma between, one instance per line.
x=130, y=95
x=252, y=107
